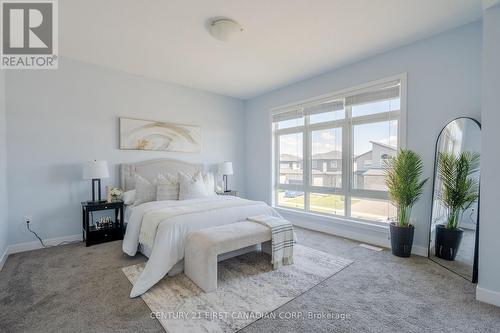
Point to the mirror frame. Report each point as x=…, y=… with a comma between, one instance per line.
x=475, y=268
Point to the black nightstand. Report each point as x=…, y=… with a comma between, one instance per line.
x=91, y=234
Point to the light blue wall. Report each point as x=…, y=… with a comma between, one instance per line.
x=489, y=231
x=58, y=119
x=444, y=79
x=3, y=168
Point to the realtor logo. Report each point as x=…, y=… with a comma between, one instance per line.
x=29, y=34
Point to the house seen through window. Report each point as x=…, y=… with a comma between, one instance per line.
x=330, y=153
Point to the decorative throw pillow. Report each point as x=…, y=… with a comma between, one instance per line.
x=129, y=197
x=145, y=191
x=191, y=187
x=168, y=188
x=209, y=180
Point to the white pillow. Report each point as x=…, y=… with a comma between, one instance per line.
x=129, y=197
x=168, y=188
x=209, y=181
x=191, y=187
x=145, y=191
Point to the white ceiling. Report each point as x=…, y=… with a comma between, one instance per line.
x=285, y=40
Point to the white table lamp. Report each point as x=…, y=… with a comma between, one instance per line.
x=226, y=169
x=95, y=171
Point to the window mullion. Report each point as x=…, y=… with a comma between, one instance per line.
x=290, y=130
x=276, y=167
x=327, y=125
x=378, y=117
x=306, y=161
x=347, y=161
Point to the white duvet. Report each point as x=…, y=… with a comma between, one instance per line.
x=174, y=226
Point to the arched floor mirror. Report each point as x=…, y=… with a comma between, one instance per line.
x=454, y=229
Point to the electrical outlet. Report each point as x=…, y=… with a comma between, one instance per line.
x=28, y=219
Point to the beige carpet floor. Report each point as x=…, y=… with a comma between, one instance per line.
x=77, y=289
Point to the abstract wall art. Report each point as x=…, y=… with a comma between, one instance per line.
x=139, y=134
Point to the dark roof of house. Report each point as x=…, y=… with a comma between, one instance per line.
x=368, y=152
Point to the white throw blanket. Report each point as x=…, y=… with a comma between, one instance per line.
x=152, y=219
x=282, y=238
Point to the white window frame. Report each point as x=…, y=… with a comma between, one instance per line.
x=347, y=190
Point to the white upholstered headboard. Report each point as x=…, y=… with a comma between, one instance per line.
x=150, y=169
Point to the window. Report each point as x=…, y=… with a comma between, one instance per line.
x=330, y=153
x=326, y=145
x=291, y=158
x=369, y=140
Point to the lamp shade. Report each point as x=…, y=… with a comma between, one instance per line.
x=95, y=170
x=226, y=168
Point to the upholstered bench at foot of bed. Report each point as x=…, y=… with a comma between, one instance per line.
x=203, y=246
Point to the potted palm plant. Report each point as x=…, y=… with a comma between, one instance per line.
x=459, y=190
x=402, y=177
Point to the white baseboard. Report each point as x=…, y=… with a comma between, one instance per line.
x=488, y=296
x=357, y=236
x=35, y=245
x=361, y=232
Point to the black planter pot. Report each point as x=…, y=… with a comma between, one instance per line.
x=447, y=242
x=401, y=240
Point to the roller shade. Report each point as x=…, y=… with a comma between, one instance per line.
x=376, y=94
x=327, y=106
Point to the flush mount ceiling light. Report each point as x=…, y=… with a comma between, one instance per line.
x=225, y=29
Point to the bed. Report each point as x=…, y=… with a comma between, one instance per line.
x=159, y=229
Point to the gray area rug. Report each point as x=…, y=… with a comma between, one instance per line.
x=248, y=289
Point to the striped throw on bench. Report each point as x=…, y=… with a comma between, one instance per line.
x=282, y=238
